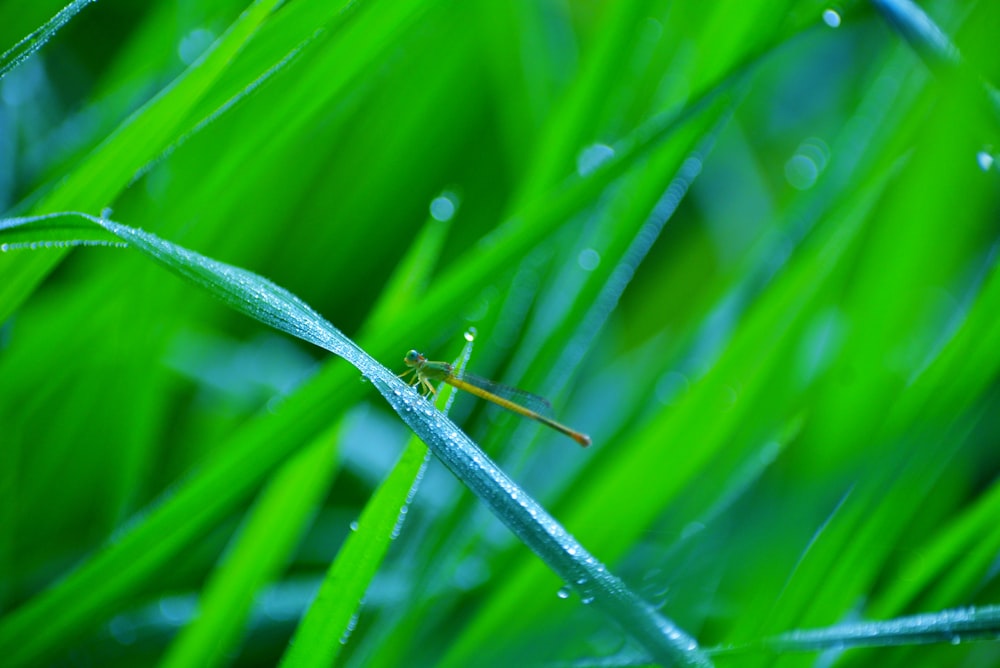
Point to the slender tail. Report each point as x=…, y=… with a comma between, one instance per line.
x=582, y=439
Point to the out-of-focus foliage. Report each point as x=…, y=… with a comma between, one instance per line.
x=749, y=247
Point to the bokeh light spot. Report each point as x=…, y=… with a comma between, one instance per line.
x=589, y=259
x=593, y=157
x=194, y=44
x=443, y=207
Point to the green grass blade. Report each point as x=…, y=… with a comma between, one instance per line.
x=408, y=283
x=947, y=626
x=328, y=623
x=98, y=180
x=791, y=384
x=258, y=555
x=940, y=53
x=263, y=300
x=951, y=564
x=23, y=50
x=331, y=617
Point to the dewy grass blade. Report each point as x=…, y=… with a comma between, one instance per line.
x=102, y=175
x=947, y=626
x=937, y=50
x=944, y=627
x=24, y=49
x=261, y=299
x=330, y=619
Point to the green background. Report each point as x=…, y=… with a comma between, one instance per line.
x=754, y=256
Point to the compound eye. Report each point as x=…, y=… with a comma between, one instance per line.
x=412, y=356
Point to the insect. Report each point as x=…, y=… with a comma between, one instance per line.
x=520, y=402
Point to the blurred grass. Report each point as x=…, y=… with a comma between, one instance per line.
x=790, y=373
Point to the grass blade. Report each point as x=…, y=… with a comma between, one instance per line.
x=258, y=555
x=262, y=300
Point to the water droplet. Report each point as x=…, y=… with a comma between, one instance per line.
x=593, y=157
x=563, y=592
x=4, y=248
x=831, y=17
x=810, y=159
x=728, y=398
x=194, y=44
x=122, y=630
x=443, y=207
x=671, y=387
x=985, y=160
x=801, y=172
x=354, y=525
x=350, y=628
x=816, y=150
x=178, y=610
x=470, y=334
x=588, y=259
x=587, y=600
x=691, y=529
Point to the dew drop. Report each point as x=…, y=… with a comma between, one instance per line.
x=194, y=44
x=443, y=207
x=122, y=630
x=671, y=387
x=563, y=592
x=831, y=17
x=346, y=635
x=588, y=259
x=593, y=157
x=801, y=172
x=985, y=160
x=354, y=525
